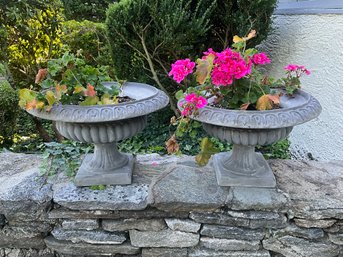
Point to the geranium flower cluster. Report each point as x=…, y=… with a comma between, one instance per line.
x=232, y=79
x=192, y=103
x=298, y=69
x=181, y=68
x=227, y=66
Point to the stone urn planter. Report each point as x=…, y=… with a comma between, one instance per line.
x=104, y=126
x=245, y=129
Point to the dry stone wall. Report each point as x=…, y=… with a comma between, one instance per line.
x=172, y=209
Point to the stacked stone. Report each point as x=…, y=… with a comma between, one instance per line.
x=24, y=201
x=174, y=209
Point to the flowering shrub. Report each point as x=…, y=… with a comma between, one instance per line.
x=232, y=79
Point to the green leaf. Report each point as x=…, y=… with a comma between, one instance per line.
x=50, y=97
x=90, y=101
x=179, y=95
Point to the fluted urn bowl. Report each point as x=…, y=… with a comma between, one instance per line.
x=245, y=129
x=104, y=126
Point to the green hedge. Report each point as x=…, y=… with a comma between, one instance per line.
x=8, y=112
x=89, y=37
x=174, y=29
x=86, y=9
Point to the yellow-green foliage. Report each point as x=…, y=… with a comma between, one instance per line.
x=8, y=112
x=89, y=37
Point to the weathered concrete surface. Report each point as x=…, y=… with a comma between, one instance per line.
x=186, y=188
x=315, y=188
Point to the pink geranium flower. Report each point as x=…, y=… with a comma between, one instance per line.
x=191, y=98
x=297, y=68
x=201, y=102
x=291, y=67
x=260, y=59
x=193, y=103
x=181, y=68
x=227, y=66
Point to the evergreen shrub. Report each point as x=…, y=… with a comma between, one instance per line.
x=166, y=30
x=94, y=10
x=8, y=112
x=89, y=37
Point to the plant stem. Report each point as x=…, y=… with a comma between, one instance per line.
x=155, y=77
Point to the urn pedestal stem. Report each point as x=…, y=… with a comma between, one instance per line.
x=106, y=166
x=107, y=157
x=243, y=167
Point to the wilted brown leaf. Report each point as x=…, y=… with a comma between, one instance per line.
x=264, y=103
x=204, y=68
x=172, y=145
x=245, y=106
x=173, y=121
x=250, y=35
x=40, y=75
x=275, y=99
x=267, y=102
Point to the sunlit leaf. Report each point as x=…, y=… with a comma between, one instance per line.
x=90, y=101
x=106, y=99
x=207, y=149
x=78, y=89
x=204, y=68
x=237, y=39
x=50, y=97
x=34, y=104
x=25, y=96
x=60, y=90
x=263, y=103
x=90, y=91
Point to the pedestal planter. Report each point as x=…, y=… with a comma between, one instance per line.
x=246, y=129
x=103, y=126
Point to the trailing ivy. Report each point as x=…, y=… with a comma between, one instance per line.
x=63, y=157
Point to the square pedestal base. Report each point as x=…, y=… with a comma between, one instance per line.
x=91, y=177
x=263, y=177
